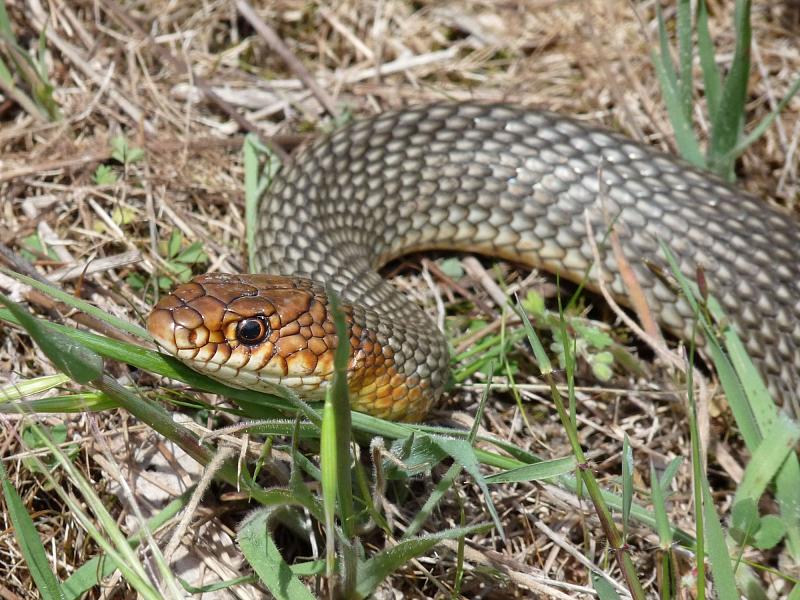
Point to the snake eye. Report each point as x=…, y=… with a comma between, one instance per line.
x=252, y=331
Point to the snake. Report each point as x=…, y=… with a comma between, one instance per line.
x=498, y=180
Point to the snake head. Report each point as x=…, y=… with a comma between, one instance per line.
x=249, y=331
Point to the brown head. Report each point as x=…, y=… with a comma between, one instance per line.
x=256, y=331
x=249, y=331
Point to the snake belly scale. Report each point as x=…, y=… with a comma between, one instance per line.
x=491, y=179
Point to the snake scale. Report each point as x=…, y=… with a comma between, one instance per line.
x=491, y=179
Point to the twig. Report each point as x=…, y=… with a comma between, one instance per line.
x=295, y=66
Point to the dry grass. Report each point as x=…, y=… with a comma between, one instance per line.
x=144, y=71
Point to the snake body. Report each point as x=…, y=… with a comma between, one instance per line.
x=491, y=179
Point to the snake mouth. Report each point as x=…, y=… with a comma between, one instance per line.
x=248, y=331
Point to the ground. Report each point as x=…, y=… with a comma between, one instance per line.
x=155, y=99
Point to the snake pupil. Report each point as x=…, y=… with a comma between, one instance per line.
x=251, y=331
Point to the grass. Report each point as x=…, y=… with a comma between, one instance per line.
x=725, y=98
x=531, y=487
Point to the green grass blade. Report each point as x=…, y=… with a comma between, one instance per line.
x=685, y=55
x=81, y=305
x=547, y=469
x=742, y=411
x=716, y=547
x=338, y=435
x=726, y=123
x=445, y=485
x=29, y=387
x=605, y=591
x=66, y=403
x=107, y=536
x=462, y=452
x=685, y=138
x=762, y=126
x=30, y=544
x=627, y=485
x=92, y=572
x=663, y=528
x=708, y=63
x=5, y=23
x=81, y=364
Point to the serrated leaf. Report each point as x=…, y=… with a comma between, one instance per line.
x=104, y=175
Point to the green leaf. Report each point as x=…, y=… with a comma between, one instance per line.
x=104, y=175
x=744, y=521
x=123, y=152
x=263, y=555
x=542, y=360
x=593, y=335
x=778, y=443
x=451, y=267
x=547, y=469
x=605, y=591
x=534, y=303
x=29, y=387
x=92, y=572
x=717, y=549
x=771, y=531
x=47, y=584
x=462, y=452
x=669, y=473
x=601, y=364
x=193, y=254
x=81, y=305
x=685, y=52
x=685, y=138
x=373, y=571
x=174, y=243
x=256, y=180
x=705, y=49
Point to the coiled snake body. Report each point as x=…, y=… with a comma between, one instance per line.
x=495, y=180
